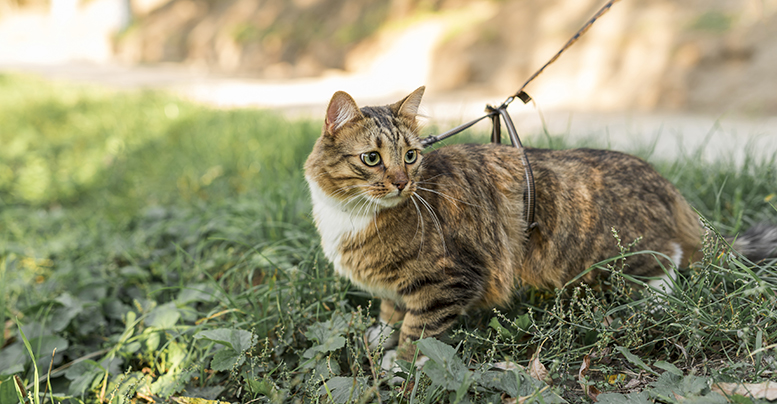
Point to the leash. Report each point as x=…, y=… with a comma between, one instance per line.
x=500, y=112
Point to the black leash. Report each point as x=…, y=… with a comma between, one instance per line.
x=495, y=113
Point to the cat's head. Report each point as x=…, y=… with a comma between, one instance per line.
x=367, y=154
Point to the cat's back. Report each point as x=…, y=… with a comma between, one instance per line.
x=492, y=165
x=580, y=196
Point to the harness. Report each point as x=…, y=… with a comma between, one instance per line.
x=495, y=113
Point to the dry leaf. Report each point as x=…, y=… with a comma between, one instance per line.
x=537, y=370
x=766, y=390
x=407, y=389
x=591, y=391
x=584, y=367
x=20, y=385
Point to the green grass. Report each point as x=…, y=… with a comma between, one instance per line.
x=166, y=250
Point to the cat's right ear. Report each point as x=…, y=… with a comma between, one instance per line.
x=342, y=109
x=408, y=106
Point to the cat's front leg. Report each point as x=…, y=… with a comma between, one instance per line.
x=426, y=321
x=384, y=333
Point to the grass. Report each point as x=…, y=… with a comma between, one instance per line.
x=166, y=251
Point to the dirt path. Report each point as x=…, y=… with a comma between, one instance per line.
x=674, y=135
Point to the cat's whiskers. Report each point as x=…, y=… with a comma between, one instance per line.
x=349, y=204
x=448, y=197
x=359, y=194
x=363, y=237
x=370, y=204
x=345, y=205
x=420, y=224
x=375, y=221
x=435, y=219
x=448, y=185
x=365, y=207
x=345, y=189
x=429, y=179
x=357, y=210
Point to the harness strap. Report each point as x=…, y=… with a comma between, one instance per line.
x=430, y=140
x=496, y=137
x=530, y=194
x=496, y=129
x=501, y=111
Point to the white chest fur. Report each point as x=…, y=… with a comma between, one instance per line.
x=335, y=221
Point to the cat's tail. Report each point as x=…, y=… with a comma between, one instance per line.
x=757, y=243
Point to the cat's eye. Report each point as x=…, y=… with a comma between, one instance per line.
x=371, y=159
x=411, y=156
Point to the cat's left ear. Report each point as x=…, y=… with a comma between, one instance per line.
x=341, y=110
x=409, y=105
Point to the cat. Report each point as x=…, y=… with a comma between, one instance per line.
x=437, y=234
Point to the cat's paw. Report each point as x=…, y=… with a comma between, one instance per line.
x=389, y=361
x=389, y=364
x=382, y=334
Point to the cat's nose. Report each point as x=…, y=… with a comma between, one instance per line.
x=400, y=184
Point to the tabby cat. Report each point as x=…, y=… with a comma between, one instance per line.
x=437, y=234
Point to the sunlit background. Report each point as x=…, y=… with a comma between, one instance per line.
x=703, y=69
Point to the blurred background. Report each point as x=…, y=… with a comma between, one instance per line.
x=685, y=72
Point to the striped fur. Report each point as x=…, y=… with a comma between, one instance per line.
x=445, y=233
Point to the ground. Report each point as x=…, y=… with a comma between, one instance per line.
x=166, y=250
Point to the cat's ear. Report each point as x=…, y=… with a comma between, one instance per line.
x=341, y=110
x=409, y=105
